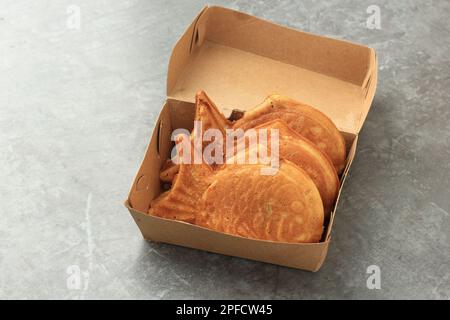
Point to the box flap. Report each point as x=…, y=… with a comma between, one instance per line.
x=239, y=60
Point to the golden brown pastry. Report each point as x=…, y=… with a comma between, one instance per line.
x=181, y=201
x=237, y=199
x=168, y=171
x=305, y=120
x=283, y=207
x=306, y=155
x=210, y=118
x=209, y=115
x=309, y=157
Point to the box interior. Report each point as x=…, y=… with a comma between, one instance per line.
x=239, y=60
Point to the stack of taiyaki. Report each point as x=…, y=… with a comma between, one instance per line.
x=288, y=206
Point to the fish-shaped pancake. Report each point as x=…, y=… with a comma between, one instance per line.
x=181, y=201
x=306, y=155
x=305, y=120
x=168, y=171
x=210, y=117
x=283, y=207
x=209, y=114
x=237, y=199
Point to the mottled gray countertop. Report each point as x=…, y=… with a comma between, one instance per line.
x=77, y=107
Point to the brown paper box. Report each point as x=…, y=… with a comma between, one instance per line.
x=238, y=60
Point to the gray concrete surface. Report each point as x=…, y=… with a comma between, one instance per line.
x=76, y=111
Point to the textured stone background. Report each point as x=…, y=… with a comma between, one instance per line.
x=76, y=111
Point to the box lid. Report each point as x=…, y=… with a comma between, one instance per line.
x=239, y=59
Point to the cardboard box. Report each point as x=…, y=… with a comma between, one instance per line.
x=238, y=60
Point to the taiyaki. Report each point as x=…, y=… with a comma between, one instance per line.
x=306, y=155
x=305, y=120
x=181, y=201
x=237, y=199
x=283, y=207
x=210, y=117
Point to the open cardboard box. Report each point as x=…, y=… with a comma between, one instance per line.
x=238, y=60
